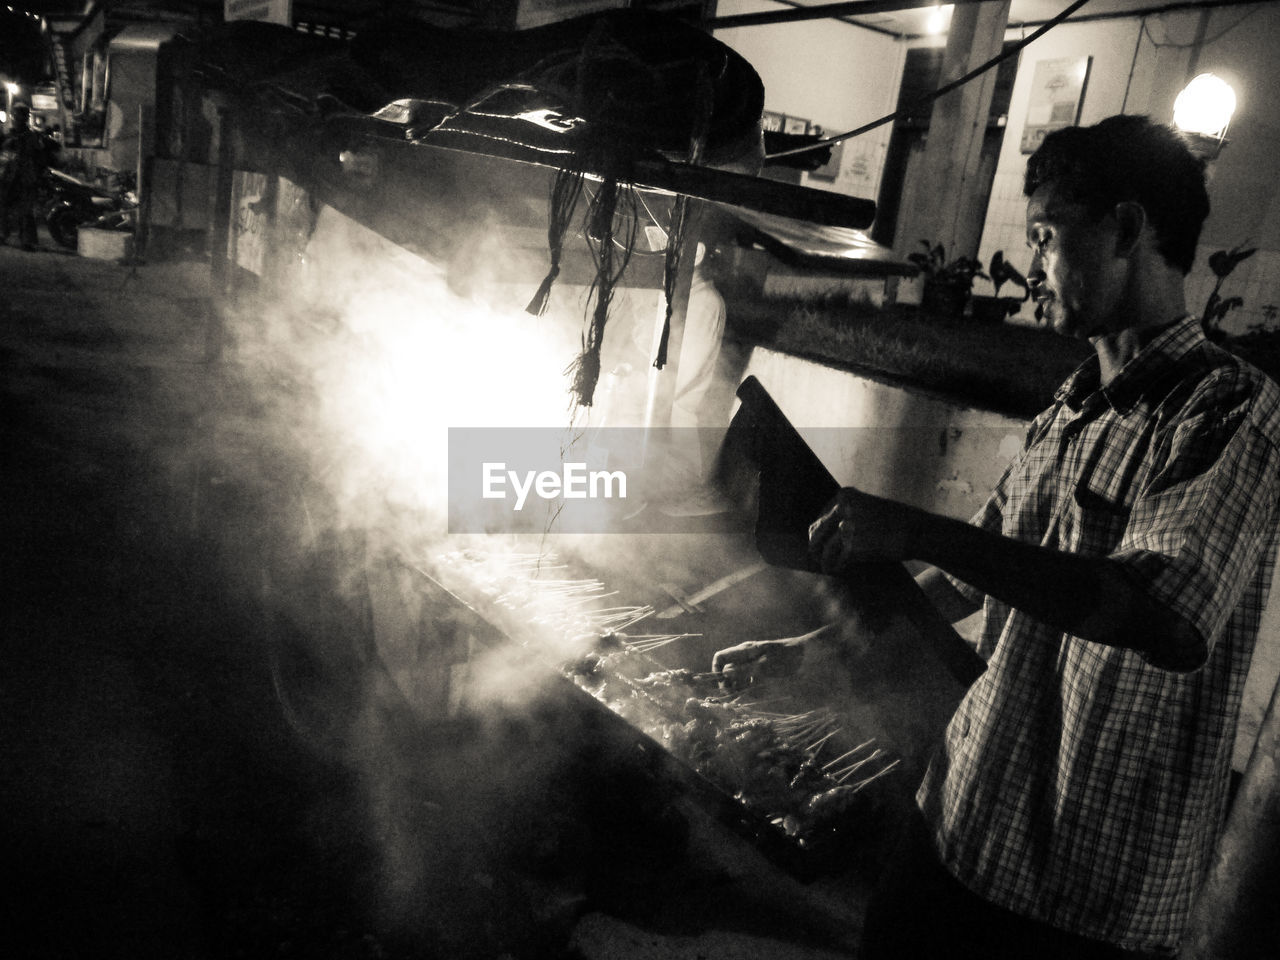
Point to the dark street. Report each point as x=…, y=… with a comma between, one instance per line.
x=155, y=802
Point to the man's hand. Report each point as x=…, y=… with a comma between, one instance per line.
x=861, y=528
x=739, y=665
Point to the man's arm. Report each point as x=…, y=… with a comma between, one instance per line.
x=1089, y=597
x=777, y=658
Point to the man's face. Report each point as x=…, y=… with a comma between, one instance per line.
x=1075, y=277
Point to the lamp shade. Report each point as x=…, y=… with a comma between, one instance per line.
x=1205, y=106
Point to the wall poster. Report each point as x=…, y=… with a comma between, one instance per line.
x=796, y=126
x=1057, y=93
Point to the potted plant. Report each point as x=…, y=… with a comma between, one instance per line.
x=947, y=283
x=995, y=308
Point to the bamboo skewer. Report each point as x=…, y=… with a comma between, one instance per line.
x=628, y=637
x=816, y=746
x=646, y=643
x=841, y=776
x=848, y=753
x=877, y=775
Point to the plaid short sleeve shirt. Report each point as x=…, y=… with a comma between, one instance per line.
x=1078, y=784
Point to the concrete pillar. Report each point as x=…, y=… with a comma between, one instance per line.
x=220, y=238
x=142, y=175
x=944, y=208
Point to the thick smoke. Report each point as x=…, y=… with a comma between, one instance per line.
x=357, y=356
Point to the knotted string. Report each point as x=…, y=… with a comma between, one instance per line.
x=611, y=255
x=566, y=188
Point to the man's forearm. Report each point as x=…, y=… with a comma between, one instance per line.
x=1061, y=589
x=1088, y=597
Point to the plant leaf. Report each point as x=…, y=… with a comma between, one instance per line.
x=1222, y=262
x=1238, y=255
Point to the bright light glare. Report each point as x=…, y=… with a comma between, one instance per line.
x=428, y=367
x=1205, y=106
x=939, y=17
x=13, y=88
x=370, y=357
x=414, y=360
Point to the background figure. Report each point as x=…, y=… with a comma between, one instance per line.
x=703, y=330
x=636, y=319
x=25, y=158
x=699, y=352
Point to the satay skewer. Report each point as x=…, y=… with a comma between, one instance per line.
x=848, y=753
x=840, y=776
x=814, y=747
x=876, y=776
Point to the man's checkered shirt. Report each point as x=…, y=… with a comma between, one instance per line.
x=1078, y=784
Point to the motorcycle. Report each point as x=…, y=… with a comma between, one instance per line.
x=72, y=203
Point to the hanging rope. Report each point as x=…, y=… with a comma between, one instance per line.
x=566, y=189
x=611, y=255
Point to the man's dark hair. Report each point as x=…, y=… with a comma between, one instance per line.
x=1129, y=158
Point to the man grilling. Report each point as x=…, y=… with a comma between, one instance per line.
x=1121, y=565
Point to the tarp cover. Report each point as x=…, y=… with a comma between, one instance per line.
x=830, y=248
x=623, y=81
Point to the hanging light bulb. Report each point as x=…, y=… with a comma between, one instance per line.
x=1205, y=106
x=937, y=22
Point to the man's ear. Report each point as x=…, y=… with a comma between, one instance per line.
x=1131, y=218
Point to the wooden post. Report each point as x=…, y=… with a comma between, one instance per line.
x=146, y=154
x=220, y=240
x=943, y=211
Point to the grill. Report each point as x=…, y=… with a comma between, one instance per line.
x=813, y=788
x=622, y=693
